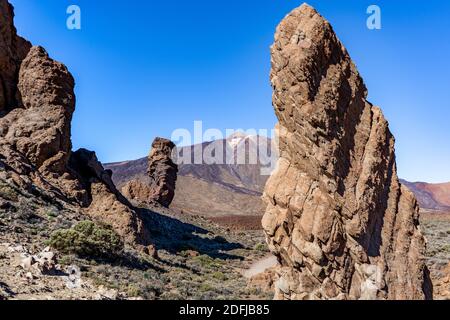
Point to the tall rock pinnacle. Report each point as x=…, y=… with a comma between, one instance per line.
x=339, y=221
x=159, y=185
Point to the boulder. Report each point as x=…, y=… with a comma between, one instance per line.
x=43, y=263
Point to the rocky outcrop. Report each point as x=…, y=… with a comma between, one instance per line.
x=442, y=284
x=35, y=142
x=338, y=220
x=106, y=203
x=35, y=135
x=162, y=171
x=159, y=185
x=214, y=188
x=37, y=102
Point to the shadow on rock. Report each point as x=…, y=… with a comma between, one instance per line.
x=176, y=236
x=5, y=291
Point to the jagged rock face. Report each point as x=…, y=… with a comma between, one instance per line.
x=35, y=141
x=36, y=106
x=37, y=102
x=40, y=129
x=13, y=50
x=89, y=169
x=159, y=186
x=339, y=221
x=105, y=201
x=162, y=171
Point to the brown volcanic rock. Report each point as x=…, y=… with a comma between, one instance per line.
x=442, y=285
x=339, y=221
x=36, y=106
x=40, y=130
x=136, y=190
x=159, y=186
x=35, y=135
x=162, y=171
x=106, y=204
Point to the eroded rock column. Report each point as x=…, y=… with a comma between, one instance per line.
x=338, y=220
x=159, y=186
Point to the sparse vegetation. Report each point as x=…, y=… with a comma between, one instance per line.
x=7, y=192
x=437, y=232
x=261, y=247
x=206, y=261
x=219, y=276
x=205, y=287
x=88, y=239
x=51, y=213
x=197, y=260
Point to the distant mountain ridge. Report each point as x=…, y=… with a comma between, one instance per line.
x=431, y=196
x=218, y=190
x=214, y=190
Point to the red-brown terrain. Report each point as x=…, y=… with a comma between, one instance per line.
x=431, y=196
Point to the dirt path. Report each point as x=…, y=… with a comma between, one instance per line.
x=260, y=266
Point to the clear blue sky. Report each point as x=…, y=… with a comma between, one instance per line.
x=145, y=68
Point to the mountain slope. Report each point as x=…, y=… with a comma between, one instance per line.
x=213, y=190
x=220, y=190
x=431, y=196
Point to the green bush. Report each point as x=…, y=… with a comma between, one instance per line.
x=261, y=247
x=7, y=192
x=219, y=276
x=51, y=213
x=88, y=239
x=205, y=287
x=204, y=260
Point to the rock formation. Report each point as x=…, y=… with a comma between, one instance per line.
x=442, y=284
x=37, y=102
x=215, y=188
x=338, y=220
x=159, y=185
x=106, y=203
x=162, y=171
